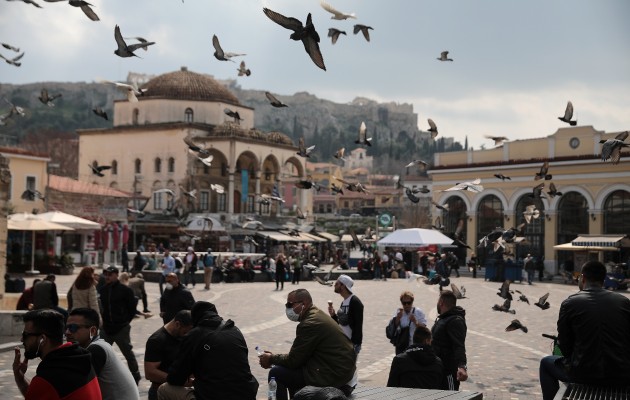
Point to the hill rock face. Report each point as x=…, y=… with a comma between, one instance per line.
x=325, y=124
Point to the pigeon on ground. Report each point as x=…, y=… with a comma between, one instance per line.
x=14, y=60
x=543, y=172
x=100, y=112
x=542, y=302
x=611, y=148
x=9, y=47
x=304, y=151
x=338, y=15
x=31, y=195
x=444, y=56
x=553, y=192
x=132, y=90
x=498, y=140
x=196, y=149
x=28, y=2
x=46, y=99
x=125, y=50
x=514, y=325
x=273, y=100
x=363, y=29
x=502, y=177
x=243, y=70
x=419, y=163
x=505, y=307
x=568, y=114
x=474, y=186
x=306, y=33
x=363, y=139
x=233, y=114
x=334, y=34
x=219, y=54
x=432, y=128
x=97, y=169
x=531, y=212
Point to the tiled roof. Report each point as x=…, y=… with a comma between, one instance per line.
x=24, y=152
x=69, y=185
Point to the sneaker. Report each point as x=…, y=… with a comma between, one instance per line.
x=147, y=315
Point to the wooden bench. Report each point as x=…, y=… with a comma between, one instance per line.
x=388, y=393
x=575, y=391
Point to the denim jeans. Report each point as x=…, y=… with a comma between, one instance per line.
x=551, y=371
x=291, y=379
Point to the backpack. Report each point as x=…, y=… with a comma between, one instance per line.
x=178, y=263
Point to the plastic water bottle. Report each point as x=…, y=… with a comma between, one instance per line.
x=273, y=386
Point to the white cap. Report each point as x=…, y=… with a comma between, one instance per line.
x=346, y=281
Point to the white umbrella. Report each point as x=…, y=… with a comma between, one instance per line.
x=69, y=220
x=414, y=237
x=31, y=222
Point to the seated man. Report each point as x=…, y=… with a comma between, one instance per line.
x=593, y=331
x=321, y=354
x=215, y=352
x=418, y=366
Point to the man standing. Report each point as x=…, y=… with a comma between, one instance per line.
x=175, y=298
x=449, y=339
x=45, y=296
x=168, y=267
x=139, y=262
x=530, y=268
x=418, y=366
x=321, y=355
x=593, y=331
x=190, y=266
x=65, y=371
x=162, y=348
x=137, y=285
x=115, y=380
x=208, y=268
x=119, y=308
x=215, y=352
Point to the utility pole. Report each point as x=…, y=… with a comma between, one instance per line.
x=135, y=206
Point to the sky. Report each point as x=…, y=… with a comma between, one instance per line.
x=516, y=63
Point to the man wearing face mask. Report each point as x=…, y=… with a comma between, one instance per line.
x=114, y=377
x=175, y=298
x=321, y=354
x=65, y=371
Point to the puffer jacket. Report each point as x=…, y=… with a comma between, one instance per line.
x=417, y=367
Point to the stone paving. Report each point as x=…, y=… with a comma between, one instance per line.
x=502, y=365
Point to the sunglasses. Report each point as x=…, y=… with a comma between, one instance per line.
x=406, y=303
x=290, y=305
x=27, y=334
x=73, y=328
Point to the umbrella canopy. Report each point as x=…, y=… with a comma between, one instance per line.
x=69, y=220
x=414, y=237
x=34, y=224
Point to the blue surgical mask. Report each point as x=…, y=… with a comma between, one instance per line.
x=292, y=315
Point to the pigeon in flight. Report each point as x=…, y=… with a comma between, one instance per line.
x=307, y=184
x=363, y=29
x=537, y=192
x=15, y=110
x=443, y=207
x=299, y=213
x=132, y=91
x=611, y=148
x=100, y=112
x=217, y=188
x=444, y=56
x=504, y=291
x=542, y=302
x=353, y=187
x=206, y=160
x=191, y=195
x=125, y=50
x=46, y=99
x=362, y=139
x=502, y=177
x=339, y=154
x=411, y=196
x=326, y=281
x=243, y=70
x=531, y=212
x=273, y=100
x=438, y=224
x=233, y=114
x=458, y=293
x=141, y=40
x=514, y=325
x=9, y=47
x=419, y=163
x=31, y=195
x=306, y=33
x=85, y=7
x=505, y=307
x=303, y=150
x=219, y=54
x=553, y=192
x=28, y=2
x=97, y=169
x=257, y=225
x=272, y=197
x=543, y=172
x=338, y=15
x=334, y=34
x=14, y=60
x=522, y=297
x=196, y=149
x=568, y=114
x=5, y=117
x=169, y=192
x=473, y=186
x=498, y=140
x=432, y=128
x=139, y=211
x=335, y=189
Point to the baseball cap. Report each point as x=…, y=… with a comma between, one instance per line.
x=111, y=269
x=191, y=249
x=346, y=281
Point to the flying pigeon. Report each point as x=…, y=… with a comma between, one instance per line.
x=100, y=112
x=14, y=60
x=272, y=197
x=243, y=70
x=432, y=128
x=504, y=291
x=192, y=194
x=363, y=139
x=498, y=140
x=353, y=187
x=206, y=160
x=364, y=29
x=334, y=34
x=531, y=212
x=522, y=297
x=131, y=90
x=303, y=150
x=307, y=184
x=31, y=195
x=338, y=15
x=192, y=147
x=46, y=99
x=502, y=177
x=444, y=56
x=542, y=302
x=253, y=225
x=125, y=50
x=438, y=224
x=505, y=307
x=473, y=186
x=335, y=189
x=169, y=192
x=85, y=7
x=96, y=169
x=29, y=2
x=443, y=207
x=419, y=163
x=568, y=114
x=411, y=196
x=611, y=148
x=306, y=33
x=299, y=213
x=339, y=154
x=233, y=114
x=219, y=54
x=543, y=172
x=274, y=100
x=458, y=293
x=141, y=40
x=9, y=47
x=553, y=192
x=514, y=325
x=537, y=192
x=217, y=188
x=15, y=110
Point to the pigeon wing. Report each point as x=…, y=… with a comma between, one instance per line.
x=622, y=136
x=568, y=112
x=217, y=46
x=312, y=48
x=89, y=12
x=271, y=98
x=136, y=46
x=291, y=23
x=122, y=46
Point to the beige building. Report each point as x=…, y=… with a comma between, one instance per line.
x=28, y=171
x=595, y=194
x=146, y=151
x=358, y=158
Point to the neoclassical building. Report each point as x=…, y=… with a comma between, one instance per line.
x=595, y=196
x=146, y=151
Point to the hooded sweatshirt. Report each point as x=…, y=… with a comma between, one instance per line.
x=417, y=367
x=449, y=338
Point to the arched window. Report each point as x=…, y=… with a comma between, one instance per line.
x=489, y=217
x=617, y=213
x=189, y=115
x=171, y=164
x=114, y=167
x=138, y=166
x=455, y=222
x=572, y=217
x=158, y=165
x=135, y=115
x=534, y=230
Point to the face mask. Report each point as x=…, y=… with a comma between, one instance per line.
x=30, y=355
x=292, y=315
x=168, y=286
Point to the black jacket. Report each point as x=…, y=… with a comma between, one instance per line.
x=174, y=300
x=449, y=339
x=218, y=359
x=119, y=306
x=417, y=367
x=355, y=320
x=593, y=332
